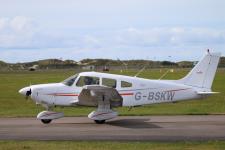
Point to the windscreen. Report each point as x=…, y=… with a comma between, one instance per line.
x=69, y=81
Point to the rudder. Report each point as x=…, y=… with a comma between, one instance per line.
x=202, y=75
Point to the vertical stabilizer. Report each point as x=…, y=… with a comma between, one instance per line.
x=202, y=75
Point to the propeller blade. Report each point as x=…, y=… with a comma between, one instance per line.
x=28, y=93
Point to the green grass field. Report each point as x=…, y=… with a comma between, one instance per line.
x=98, y=145
x=13, y=104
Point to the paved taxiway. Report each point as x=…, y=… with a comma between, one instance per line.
x=157, y=128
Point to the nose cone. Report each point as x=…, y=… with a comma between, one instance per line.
x=24, y=90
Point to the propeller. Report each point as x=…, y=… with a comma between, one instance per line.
x=28, y=93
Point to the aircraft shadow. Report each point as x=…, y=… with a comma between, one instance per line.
x=125, y=123
x=133, y=123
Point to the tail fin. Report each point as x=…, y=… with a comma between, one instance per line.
x=203, y=73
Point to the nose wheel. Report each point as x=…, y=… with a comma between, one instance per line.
x=46, y=121
x=100, y=121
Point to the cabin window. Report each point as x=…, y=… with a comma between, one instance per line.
x=87, y=80
x=125, y=84
x=69, y=81
x=109, y=82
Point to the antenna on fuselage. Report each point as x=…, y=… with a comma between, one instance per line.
x=169, y=70
x=140, y=71
x=124, y=64
x=164, y=74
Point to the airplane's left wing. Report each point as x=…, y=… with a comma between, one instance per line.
x=92, y=95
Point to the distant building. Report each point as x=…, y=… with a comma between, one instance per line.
x=89, y=67
x=106, y=68
x=33, y=68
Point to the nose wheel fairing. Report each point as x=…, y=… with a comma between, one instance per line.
x=47, y=116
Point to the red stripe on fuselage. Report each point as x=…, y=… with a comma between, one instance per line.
x=126, y=94
x=64, y=94
x=71, y=94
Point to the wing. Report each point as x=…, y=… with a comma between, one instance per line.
x=92, y=95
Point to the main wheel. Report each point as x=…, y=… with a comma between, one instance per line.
x=46, y=121
x=99, y=121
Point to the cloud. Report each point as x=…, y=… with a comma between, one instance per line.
x=27, y=39
x=16, y=32
x=171, y=36
x=20, y=23
x=22, y=32
x=3, y=22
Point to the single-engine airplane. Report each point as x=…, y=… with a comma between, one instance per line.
x=105, y=91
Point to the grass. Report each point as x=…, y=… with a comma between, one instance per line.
x=12, y=104
x=99, y=145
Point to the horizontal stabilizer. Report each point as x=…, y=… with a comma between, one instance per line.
x=207, y=93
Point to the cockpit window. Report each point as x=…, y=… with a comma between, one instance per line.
x=87, y=80
x=69, y=81
x=109, y=82
x=125, y=84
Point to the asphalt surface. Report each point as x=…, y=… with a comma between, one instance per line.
x=138, y=128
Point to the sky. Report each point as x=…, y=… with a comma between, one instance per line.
x=171, y=30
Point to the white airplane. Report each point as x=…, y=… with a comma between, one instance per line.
x=105, y=91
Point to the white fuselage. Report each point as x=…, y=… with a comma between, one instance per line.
x=141, y=92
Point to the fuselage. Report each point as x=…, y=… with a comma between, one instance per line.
x=134, y=91
x=105, y=91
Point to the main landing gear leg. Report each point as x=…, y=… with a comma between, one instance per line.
x=103, y=112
